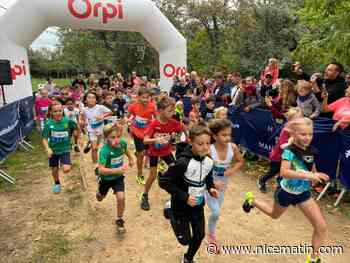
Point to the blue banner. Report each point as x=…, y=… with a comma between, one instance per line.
x=344, y=169
x=26, y=116
x=9, y=129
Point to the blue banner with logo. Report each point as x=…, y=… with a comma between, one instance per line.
x=344, y=169
x=9, y=129
x=17, y=121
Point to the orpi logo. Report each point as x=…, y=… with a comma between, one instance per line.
x=170, y=71
x=18, y=70
x=83, y=9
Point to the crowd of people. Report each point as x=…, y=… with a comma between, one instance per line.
x=191, y=120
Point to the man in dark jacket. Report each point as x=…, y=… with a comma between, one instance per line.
x=222, y=92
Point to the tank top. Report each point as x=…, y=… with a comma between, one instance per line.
x=220, y=166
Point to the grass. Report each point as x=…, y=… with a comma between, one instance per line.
x=19, y=163
x=58, y=82
x=52, y=248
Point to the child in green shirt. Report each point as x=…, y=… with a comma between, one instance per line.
x=57, y=136
x=112, y=168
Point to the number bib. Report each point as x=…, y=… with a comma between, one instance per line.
x=197, y=192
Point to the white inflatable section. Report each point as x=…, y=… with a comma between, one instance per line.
x=25, y=20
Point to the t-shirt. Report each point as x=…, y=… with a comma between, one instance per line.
x=156, y=129
x=92, y=113
x=72, y=114
x=301, y=160
x=341, y=110
x=276, y=153
x=59, y=134
x=42, y=107
x=142, y=117
x=112, y=158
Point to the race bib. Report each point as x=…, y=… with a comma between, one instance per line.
x=219, y=169
x=140, y=122
x=95, y=124
x=197, y=192
x=58, y=137
x=117, y=162
x=44, y=110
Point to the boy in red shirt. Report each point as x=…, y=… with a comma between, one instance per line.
x=140, y=114
x=159, y=135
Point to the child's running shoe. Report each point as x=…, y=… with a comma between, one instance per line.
x=248, y=203
x=56, y=189
x=120, y=226
x=313, y=260
x=185, y=260
x=87, y=147
x=99, y=197
x=162, y=167
x=97, y=172
x=144, y=202
x=261, y=186
x=140, y=180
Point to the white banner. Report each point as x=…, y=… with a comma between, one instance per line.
x=25, y=20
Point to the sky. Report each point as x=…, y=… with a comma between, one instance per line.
x=48, y=39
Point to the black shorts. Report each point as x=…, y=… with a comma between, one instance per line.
x=285, y=199
x=139, y=145
x=117, y=185
x=153, y=160
x=60, y=159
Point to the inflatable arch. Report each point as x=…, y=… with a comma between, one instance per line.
x=25, y=20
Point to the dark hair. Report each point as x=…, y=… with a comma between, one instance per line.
x=340, y=67
x=70, y=100
x=219, y=75
x=217, y=126
x=198, y=130
x=164, y=103
x=90, y=92
x=210, y=98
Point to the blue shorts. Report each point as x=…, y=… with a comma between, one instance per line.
x=285, y=199
x=59, y=159
x=116, y=184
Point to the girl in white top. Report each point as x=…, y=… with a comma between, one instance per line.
x=224, y=153
x=93, y=116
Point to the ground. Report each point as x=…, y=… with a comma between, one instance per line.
x=38, y=226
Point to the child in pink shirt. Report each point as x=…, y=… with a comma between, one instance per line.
x=41, y=106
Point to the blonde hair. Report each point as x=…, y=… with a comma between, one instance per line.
x=293, y=112
x=303, y=84
x=217, y=111
x=293, y=126
x=109, y=128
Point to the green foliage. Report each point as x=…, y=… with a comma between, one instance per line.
x=327, y=31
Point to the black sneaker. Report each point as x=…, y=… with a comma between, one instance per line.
x=87, y=147
x=261, y=186
x=99, y=197
x=96, y=171
x=76, y=149
x=120, y=226
x=248, y=202
x=144, y=202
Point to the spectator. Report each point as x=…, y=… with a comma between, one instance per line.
x=340, y=108
x=179, y=90
x=247, y=98
x=334, y=83
x=50, y=87
x=271, y=69
x=267, y=90
x=316, y=82
x=347, y=79
x=307, y=100
x=104, y=82
x=221, y=92
x=207, y=110
x=285, y=100
x=299, y=72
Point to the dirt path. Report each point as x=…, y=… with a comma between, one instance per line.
x=37, y=226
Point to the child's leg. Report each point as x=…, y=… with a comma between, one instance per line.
x=66, y=162
x=94, y=150
x=181, y=227
x=198, y=232
x=273, y=171
x=152, y=176
x=139, y=161
x=274, y=211
x=313, y=213
x=120, y=196
x=55, y=175
x=215, y=207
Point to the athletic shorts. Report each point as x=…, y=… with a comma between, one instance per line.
x=139, y=145
x=153, y=160
x=95, y=135
x=285, y=199
x=117, y=185
x=60, y=159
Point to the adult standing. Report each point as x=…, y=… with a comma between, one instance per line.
x=221, y=92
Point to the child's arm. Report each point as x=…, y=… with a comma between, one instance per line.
x=239, y=161
x=209, y=181
x=47, y=147
x=111, y=171
x=317, y=106
x=287, y=172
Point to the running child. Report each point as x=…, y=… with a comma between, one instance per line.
x=112, y=169
x=57, y=135
x=299, y=172
x=72, y=113
x=41, y=106
x=140, y=113
x=158, y=136
x=187, y=181
x=93, y=115
x=276, y=152
x=227, y=162
x=221, y=113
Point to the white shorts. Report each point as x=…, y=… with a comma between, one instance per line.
x=95, y=135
